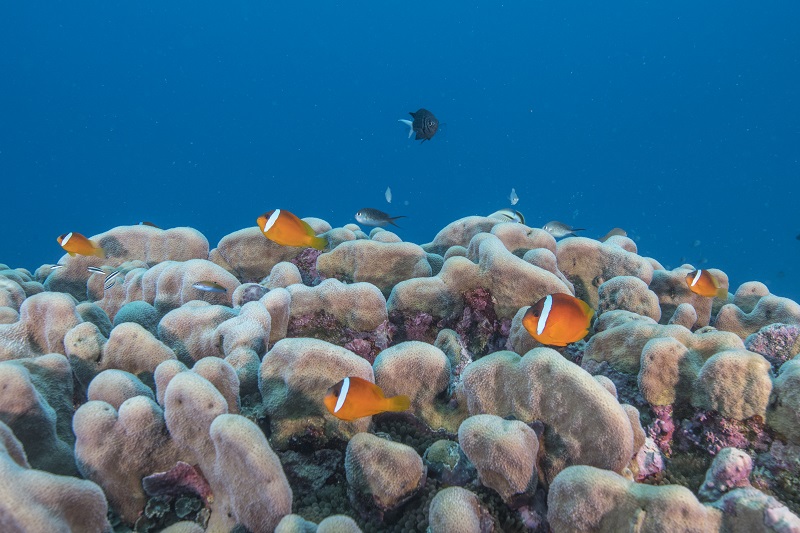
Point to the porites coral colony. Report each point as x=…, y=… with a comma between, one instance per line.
x=167, y=403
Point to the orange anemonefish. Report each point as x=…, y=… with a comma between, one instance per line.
x=286, y=229
x=704, y=283
x=558, y=319
x=354, y=397
x=76, y=244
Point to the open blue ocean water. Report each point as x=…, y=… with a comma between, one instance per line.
x=677, y=121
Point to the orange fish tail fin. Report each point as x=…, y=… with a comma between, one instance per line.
x=722, y=293
x=99, y=252
x=319, y=243
x=398, y=403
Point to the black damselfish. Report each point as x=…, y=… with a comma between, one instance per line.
x=425, y=125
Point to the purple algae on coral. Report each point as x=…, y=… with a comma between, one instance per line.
x=179, y=479
x=479, y=324
x=775, y=342
x=662, y=428
x=324, y=326
x=711, y=432
x=306, y=263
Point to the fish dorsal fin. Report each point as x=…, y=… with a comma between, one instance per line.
x=308, y=228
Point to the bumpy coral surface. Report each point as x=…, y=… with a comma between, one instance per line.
x=173, y=408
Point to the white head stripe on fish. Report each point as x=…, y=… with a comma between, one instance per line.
x=66, y=239
x=342, y=395
x=548, y=305
x=696, y=277
x=272, y=219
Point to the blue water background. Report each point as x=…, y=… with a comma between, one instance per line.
x=678, y=121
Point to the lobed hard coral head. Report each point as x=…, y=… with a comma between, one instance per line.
x=249, y=255
x=294, y=377
x=588, y=263
x=44, y=320
x=423, y=373
x=584, y=498
x=584, y=424
x=783, y=414
x=509, y=281
x=381, y=473
x=117, y=448
x=36, y=403
x=33, y=500
x=458, y=509
x=383, y=264
x=629, y=293
x=505, y=453
x=769, y=309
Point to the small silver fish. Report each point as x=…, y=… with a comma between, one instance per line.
x=509, y=215
x=111, y=280
x=95, y=270
x=56, y=267
x=209, y=286
x=374, y=217
x=513, y=198
x=613, y=232
x=559, y=229
x=388, y=195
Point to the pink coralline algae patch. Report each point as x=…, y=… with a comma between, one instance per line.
x=419, y=326
x=361, y=347
x=709, y=431
x=662, y=428
x=180, y=479
x=479, y=323
x=320, y=325
x=306, y=262
x=649, y=460
x=324, y=326
x=369, y=345
x=775, y=342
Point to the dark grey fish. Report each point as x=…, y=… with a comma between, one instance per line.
x=613, y=232
x=146, y=223
x=374, y=217
x=559, y=229
x=95, y=270
x=424, y=125
x=209, y=286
